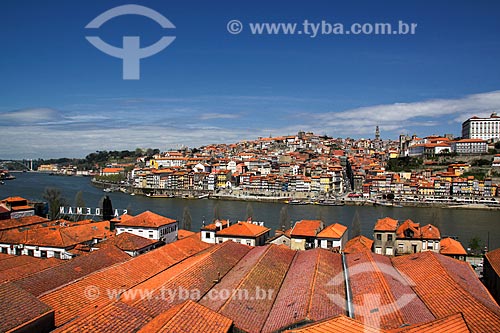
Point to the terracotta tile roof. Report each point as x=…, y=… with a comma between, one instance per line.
x=386, y=224
x=19, y=307
x=449, y=246
x=199, y=272
x=335, y=230
x=123, y=217
x=377, y=288
x=147, y=219
x=493, y=258
x=181, y=233
x=109, y=318
x=70, y=301
x=454, y=323
x=57, y=236
x=71, y=270
x=188, y=317
x=426, y=232
x=16, y=267
x=448, y=286
x=233, y=278
x=430, y=232
x=214, y=227
x=358, y=244
x=310, y=275
x=339, y=323
x=267, y=275
x=126, y=241
x=408, y=224
x=23, y=207
x=11, y=200
x=306, y=228
x=243, y=229
x=21, y=222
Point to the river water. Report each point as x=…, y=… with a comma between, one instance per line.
x=461, y=223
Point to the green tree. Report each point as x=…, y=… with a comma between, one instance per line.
x=475, y=246
x=54, y=200
x=79, y=201
x=186, y=219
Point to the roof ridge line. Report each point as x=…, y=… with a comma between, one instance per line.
x=313, y=284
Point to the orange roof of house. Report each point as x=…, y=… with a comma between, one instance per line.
x=18, y=308
x=126, y=241
x=14, y=267
x=430, y=232
x=449, y=246
x=188, y=317
x=22, y=222
x=10, y=200
x=426, y=232
x=358, y=244
x=454, y=323
x=493, y=258
x=306, y=228
x=23, y=207
x=243, y=229
x=386, y=224
x=340, y=323
x=335, y=230
x=112, y=170
x=448, y=286
x=408, y=224
x=181, y=233
x=147, y=219
x=213, y=227
x=57, y=236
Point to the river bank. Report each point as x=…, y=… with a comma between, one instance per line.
x=463, y=224
x=293, y=198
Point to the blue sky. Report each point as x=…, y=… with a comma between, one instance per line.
x=60, y=96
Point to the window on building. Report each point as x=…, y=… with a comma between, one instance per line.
x=31, y=252
x=329, y=243
x=389, y=237
x=379, y=236
x=378, y=250
x=43, y=254
x=430, y=245
x=4, y=250
x=57, y=254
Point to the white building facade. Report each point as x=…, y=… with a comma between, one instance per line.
x=482, y=128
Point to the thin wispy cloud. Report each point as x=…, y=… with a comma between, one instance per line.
x=75, y=133
x=207, y=116
x=397, y=116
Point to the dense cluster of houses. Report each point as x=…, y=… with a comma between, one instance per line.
x=313, y=165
